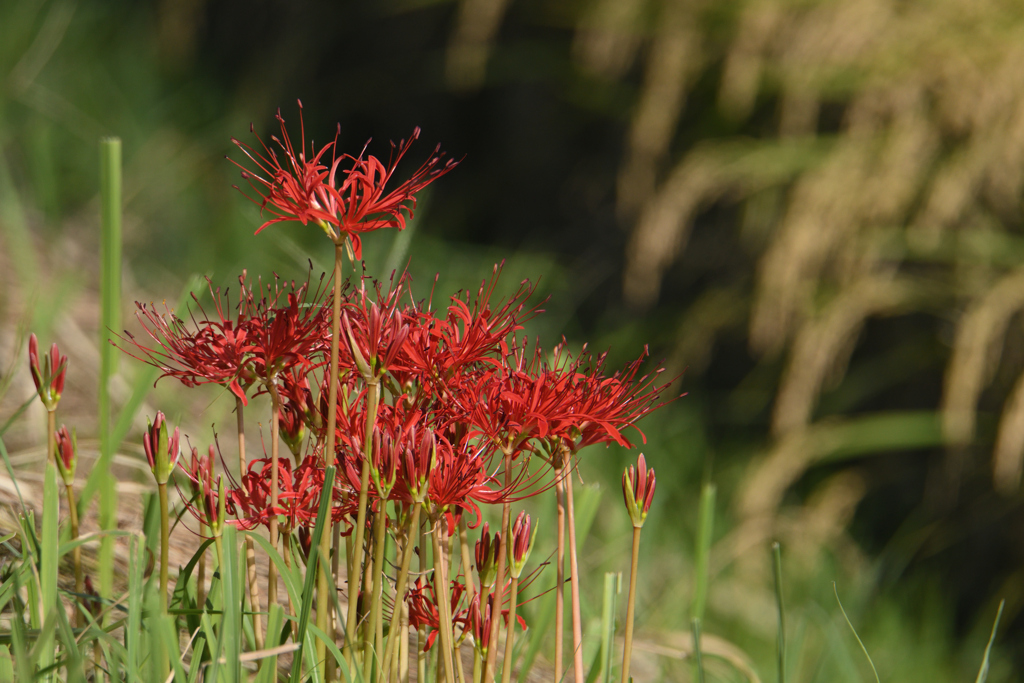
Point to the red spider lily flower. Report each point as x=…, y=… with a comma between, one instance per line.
x=473, y=332
x=520, y=543
x=67, y=454
x=486, y=554
x=608, y=405
x=345, y=204
x=283, y=335
x=298, y=500
x=216, y=351
x=638, y=491
x=423, y=610
x=375, y=331
x=48, y=378
x=458, y=482
x=161, y=452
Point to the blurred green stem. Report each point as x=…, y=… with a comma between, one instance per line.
x=76, y=554
x=110, y=313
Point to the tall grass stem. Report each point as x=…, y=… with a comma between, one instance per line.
x=781, y=644
x=706, y=528
x=110, y=314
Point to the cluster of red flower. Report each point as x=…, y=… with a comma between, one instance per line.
x=442, y=410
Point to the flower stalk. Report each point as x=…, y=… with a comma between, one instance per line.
x=250, y=547
x=323, y=603
x=67, y=459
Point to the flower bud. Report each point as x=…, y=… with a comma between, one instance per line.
x=487, y=557
x=161, y=452
x=293, y=429
x=213, y=502
x=417, y=464
x=49, y=377
x=520, y=543
x=67, y=454
x=638, y=491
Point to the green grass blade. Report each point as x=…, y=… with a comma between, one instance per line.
x=69, y=645
x=859, y=641
x=612, y=587
x=17, y=413
x=698, y=660
x=22, y=660
x=290, y=575
x=307, y=589
x=780, y=654
x=268, y=671
x=49, y=560
x=983, y=672
x=10, y=473
x=703, y=552
x=6, y=664
x=231, y=625
x=132, y=634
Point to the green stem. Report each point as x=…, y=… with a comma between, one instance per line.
x=165, y=533
x=201, y=574
x=250, y=547
x=627, y=648
x=51, y=436
x=444, y=604
x=372, y=646
x=510, y=629
x=275, y=430
x=403, y=577
x=372, y=399
x=467, y=565
x=323, y=602
x=499, y=582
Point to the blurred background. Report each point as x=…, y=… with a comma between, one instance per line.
x=811, y=209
